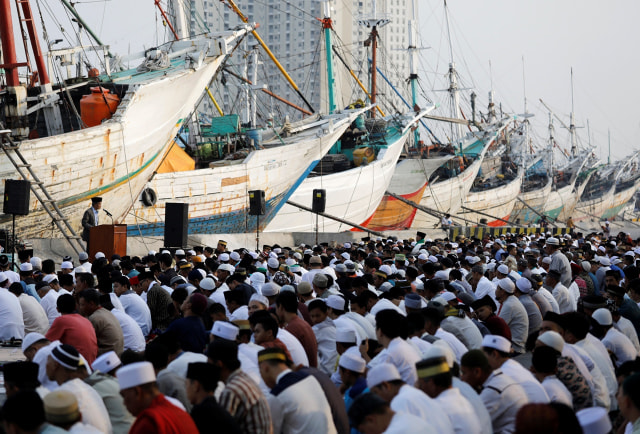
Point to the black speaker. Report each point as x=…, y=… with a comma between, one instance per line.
x=319, y=200
x=176, y=224
x=257, y=204
x=16, y=197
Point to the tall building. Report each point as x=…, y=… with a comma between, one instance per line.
x=293, y=31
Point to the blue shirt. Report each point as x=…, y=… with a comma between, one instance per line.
x=95, y=215
x=191, y=333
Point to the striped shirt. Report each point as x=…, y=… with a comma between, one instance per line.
x=244, y=400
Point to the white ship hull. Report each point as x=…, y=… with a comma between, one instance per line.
x=352, y=195
x=493, y=205
x=115, y=159
x=535, y=205
x=218, y=197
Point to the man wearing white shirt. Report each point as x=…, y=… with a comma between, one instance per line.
x=384, y=380
x=48, y=299
x=11, y=316
x=435, y=379
x=559, y=291
x=34, y=316
x=618, y=344
x=497, y=348
x=133, y=304
x=544, y=365
x=371, y=414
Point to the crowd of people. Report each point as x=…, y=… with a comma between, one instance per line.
x=516, y=333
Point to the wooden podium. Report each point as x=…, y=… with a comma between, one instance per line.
x=108, y=239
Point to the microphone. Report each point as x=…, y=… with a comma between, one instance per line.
x=107, y=213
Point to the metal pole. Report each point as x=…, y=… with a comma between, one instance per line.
x=316, y=229
x=257, y=232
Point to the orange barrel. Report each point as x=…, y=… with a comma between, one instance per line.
x=98, y=106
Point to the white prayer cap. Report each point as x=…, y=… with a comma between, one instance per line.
x=447, y=296
x=346, y=336
x=235, y=256
x=223, y=257
x=202, y=273
x=287, y=288
x=497, y=342
x=99, y=255
x=386, y=269
x=345, y=255
x=386, y=287
x=586, y=266
x=552, y=241
x=412, y=301
x=442, y=275
x=180, y=252
x=605, y=261
x=165, y=251
x=502, y=268
x=136, y=374
x=79, y=269
x=440, y=348
x=273, y=263
x=31, y=339
x=290, y=261
x=602, y=316
x=273, y=255
x=191, y=252
x=26, y=266
x=594, y=420
x=36, y=262
x=83, y=256
x=106, y=362
x=381, y=373
x=207, y=284
x=47, y=279
x=347, y=245
x=335, y=302
x=546, y=260
x=423, y=257
x=225, y=330
x=352, y=362
x=270, y=289
x=433, y=259
x=552, y=339
x=66, y=264
x=260, y=299
x=227, y=267
x=257, y=277
x=524, y=285
x=507, y=285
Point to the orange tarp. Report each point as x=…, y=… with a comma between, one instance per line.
x=177, y=161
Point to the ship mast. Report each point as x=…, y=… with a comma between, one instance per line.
x=327, y=26
x=572, y=124
x=456, y=129
x=413, y=61
x=373, y=23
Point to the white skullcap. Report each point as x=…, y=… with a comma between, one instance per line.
x=586, y=266
x=441, y=348
x=290, y=261
x=253, y=255
x=99, y=255
x=447, y=296
x=227, y=267
x=162, y=252
x=345, y=255
x=270, y=289
x=507, y=285
x=423, y=256
x=260, y=299
x=553, y=340
x=603, y=317
x=594, y=420
x=605, y=261
x=207, y=284
x=546, y=260
x=524, y=285
x=26, y=266
x=273, y=263
x=346, y=336
x=273, y=255
x=433, y=259
x=442, y=275
x=502, y=268
x=136, y=374
x=347, y=245
x=352, y=362
x=386, y=269
x=225, y=330
x=180, y=252
x=31, y=339
x=335, y=302
x=381, y=373
x=223, y=257
x=497, y=342
x=36, y=262
x=235, y=256
x=66, y=264
x=257, y=277
x=106, y=362
x=48, y=278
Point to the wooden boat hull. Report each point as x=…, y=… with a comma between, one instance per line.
x=620, y=199
x=535, y=205
x=115, y=159
x=218, y=197
x=594, y=208
x=497, y=202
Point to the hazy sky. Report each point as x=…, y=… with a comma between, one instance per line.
x=598, y=39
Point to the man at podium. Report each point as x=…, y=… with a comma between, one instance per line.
x=90, y=218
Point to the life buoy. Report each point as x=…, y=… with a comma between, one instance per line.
x=149, y=197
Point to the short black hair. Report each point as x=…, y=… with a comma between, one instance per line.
x=87, y=278
x=24, y=409
x=545, y=360
x=157, y=354
x=392, y=324
x=288, y=301
x=415, y=322
x=631, y=388
x=363, y=406
x=66, y=304
x=48, y=266
x=267, y=321
x=476, y=359
x=217, y=308
x=576, y=323
x=316, y=304
x=224, y=351
x=179, y=295
x=90, y=295
x=65, y=280
x=123, y=281
x=16, y=288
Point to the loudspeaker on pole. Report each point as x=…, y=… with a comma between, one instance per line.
x=17, y=194
x=257, y=205
x=319, y=200
x=176, y=224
